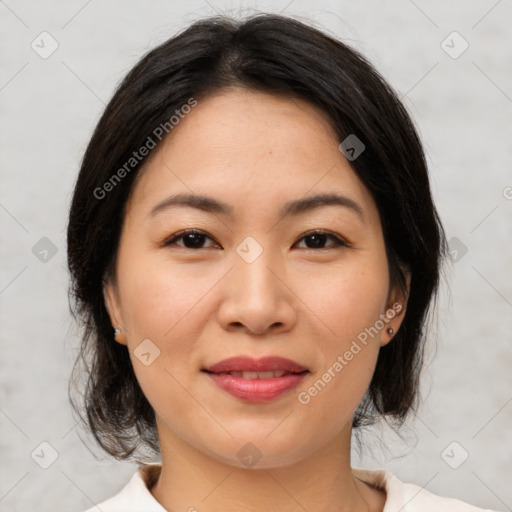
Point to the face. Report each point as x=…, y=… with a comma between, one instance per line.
x=253, y=272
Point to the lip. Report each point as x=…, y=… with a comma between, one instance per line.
x=256, y=390
x=249, y=364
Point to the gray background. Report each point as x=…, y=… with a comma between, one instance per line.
x=462, y=107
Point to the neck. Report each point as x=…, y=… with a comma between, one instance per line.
x=323, y=482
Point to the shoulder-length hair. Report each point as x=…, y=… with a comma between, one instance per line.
x=283, y=56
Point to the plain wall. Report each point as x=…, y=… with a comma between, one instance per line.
x=462, y=107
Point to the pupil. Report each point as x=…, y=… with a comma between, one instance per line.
x=190, y=238
x=318, y=239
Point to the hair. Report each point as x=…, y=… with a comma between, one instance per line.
x=281, y=56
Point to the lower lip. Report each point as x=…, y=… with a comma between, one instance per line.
x=257, y=390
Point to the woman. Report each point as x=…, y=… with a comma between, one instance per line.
x=254, y=250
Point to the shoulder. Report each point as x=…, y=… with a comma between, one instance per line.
x=407, y=497
x=135, y=495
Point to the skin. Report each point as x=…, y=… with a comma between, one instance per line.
x=254, y=151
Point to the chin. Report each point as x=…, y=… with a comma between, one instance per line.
x=258, y=450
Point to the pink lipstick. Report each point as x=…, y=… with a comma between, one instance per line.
x=256, y=380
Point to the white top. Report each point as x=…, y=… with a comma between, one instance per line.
x=401, y=497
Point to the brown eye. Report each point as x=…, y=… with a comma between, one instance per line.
x=192, y=239
x=317, y=240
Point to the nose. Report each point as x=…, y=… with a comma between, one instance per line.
x=257, y=298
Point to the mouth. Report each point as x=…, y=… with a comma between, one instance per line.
x=246, y=364
x=256, y=380
x=257, y=375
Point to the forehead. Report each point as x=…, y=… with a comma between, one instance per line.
x=249, y=148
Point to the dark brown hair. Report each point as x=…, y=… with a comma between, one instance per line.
x=281, y=56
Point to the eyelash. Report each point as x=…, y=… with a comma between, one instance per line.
x=338, y=241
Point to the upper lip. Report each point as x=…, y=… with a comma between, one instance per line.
x=249, y=364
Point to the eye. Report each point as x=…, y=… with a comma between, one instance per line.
x=318, y=238
x=192, y=239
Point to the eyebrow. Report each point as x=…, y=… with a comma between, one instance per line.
x=295, y=207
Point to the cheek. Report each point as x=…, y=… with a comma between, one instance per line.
x=349, y=299
x=168, y=306
x=349, y=304
x=170, y=309
x=159, y=297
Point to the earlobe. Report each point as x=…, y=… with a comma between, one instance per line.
x=393, y=314
x=397, y=305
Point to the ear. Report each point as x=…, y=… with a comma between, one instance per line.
x=111, y=299
x=396, y=308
